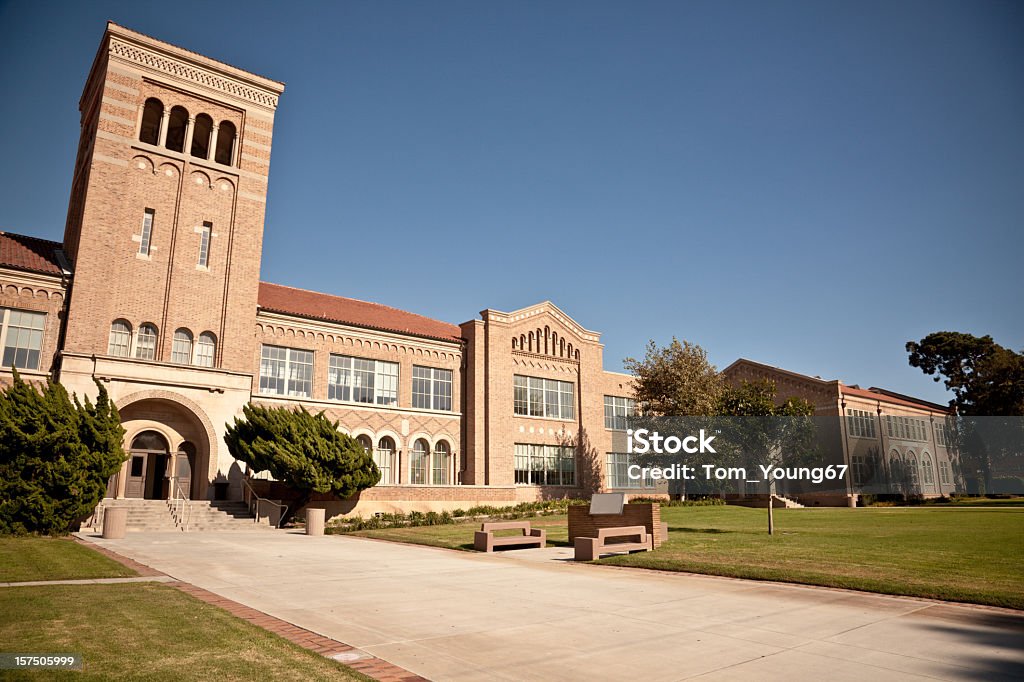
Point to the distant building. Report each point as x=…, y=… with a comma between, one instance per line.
x=155, y=292
x=892, y=443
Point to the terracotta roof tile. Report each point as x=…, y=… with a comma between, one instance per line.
x=886, y=398
x=311, y=304
x=29, y=253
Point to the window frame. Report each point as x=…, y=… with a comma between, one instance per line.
x=531, y=398
x=377, y=392
x=437, y=377
x=146, y=233
x=138, y=342
x=287, y=367
x=612, y=409
x=176, y=352
x=6, y=313
x=614, y=467
x=130, y=338
x=536, y=464
x=205, y=239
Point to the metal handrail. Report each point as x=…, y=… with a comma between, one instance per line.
x=256, y=514
x=181, y=510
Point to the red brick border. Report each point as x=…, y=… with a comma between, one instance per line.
x=369, y=665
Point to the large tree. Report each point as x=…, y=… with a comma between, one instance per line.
x=676, y=380
x=985, y=378
x=303, y=450
x=56, y=456
x=757, y=430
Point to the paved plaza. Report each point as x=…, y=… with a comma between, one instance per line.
x=533, y=615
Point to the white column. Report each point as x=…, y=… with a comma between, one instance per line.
x=234, y=149
x=190, y=128
x=165, y=122
x=213, y=143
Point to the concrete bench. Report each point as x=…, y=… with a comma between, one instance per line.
x=637, y=540
x=484, y=540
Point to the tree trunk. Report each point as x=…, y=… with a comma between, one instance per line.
x=771, y=505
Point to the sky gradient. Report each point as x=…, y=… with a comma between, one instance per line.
x=805, y=184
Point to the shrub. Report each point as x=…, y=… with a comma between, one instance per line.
x=56, y=456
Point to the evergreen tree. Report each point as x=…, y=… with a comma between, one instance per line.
x=305, y=451
x=56, y=456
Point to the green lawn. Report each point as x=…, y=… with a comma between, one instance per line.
x=149, y=631
x=132, y=631
x=972, y=555
x=43, y=558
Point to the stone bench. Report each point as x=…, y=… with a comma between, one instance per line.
x=484, y=540
x=637, y=540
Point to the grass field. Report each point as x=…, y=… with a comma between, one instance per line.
x=43, y=558
x=971, y=555
x=133, y=631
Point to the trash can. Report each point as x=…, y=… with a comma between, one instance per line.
x=314, y=522
x=115, y=521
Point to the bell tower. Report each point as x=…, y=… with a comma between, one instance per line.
x=165, y=222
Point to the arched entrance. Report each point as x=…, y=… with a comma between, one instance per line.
x=148, y=467
x=169, y=451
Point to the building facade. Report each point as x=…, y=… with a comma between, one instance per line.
x=155, y=293
x=893, y=444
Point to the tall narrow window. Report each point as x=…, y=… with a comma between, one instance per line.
x=152, y=113
x=145, y=345
x=181, y=348
x=442, y=460
x=177, y=125
x=206, y=348
x=23, y=338
x=120, y=343
x=147, y=231
x=418, y=462
x=225, y=142
x=383, y=456
x=204, y=244
x=201, y=136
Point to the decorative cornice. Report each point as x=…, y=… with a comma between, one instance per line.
x=190, y=73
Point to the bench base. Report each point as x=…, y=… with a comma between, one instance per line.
x=486, y=542
x=589, y=549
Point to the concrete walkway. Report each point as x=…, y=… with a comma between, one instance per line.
x=461, y=616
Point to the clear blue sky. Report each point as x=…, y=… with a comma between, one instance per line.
x=808, y=184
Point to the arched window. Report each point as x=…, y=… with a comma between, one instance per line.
x=120, y=343
x=418, y=462
x=515, y=343
x=150, y=441
x=927, y=472
x=911, y=467
x=225, y=142
x=895, y=470
x=152, y=113
x=206, y=348
x=365, y=441
x=201, y=136
x=442, y=460
x=177, y=125
x=145, y=345
x=384, y=458
x=181, y=347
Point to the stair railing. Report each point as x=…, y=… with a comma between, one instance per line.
x=254, y=501
x=181, y=510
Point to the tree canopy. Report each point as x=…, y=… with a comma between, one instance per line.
x=303, y=450
x=985, y=378
x=56, y=456
x=676, y=381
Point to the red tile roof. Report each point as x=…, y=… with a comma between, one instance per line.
x=887, y=397
x=311, y=304
x=29, y=253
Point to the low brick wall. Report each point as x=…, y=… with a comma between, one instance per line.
x=584, y=524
